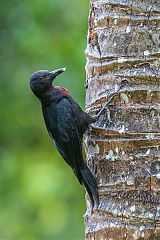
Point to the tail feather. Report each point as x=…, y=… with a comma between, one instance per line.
x=90, y=194
x=90, y=185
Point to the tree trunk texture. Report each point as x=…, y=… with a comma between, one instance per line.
x=123, y=146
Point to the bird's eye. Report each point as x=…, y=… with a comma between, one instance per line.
x=40, y=77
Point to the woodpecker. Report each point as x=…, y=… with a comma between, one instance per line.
x=66, y=123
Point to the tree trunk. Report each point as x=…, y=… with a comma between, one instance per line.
x=123, y=145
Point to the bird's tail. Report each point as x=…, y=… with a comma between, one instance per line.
x=91, y=186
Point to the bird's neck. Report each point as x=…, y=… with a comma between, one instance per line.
x=60, y=90
x=54, y=94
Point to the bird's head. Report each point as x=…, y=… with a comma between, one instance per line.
x=41, y=81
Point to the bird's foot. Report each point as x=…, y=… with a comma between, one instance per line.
x=111, y=96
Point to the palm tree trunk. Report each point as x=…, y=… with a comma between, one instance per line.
x=123, y=146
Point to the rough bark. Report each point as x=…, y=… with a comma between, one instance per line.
x=123, y=147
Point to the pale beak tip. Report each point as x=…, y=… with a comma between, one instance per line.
x=64, y=69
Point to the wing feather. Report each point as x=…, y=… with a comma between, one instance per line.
x=62, y=127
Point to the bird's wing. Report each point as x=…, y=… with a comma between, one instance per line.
x=62, y=126
x=83, y=119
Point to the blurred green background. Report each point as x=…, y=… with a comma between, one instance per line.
x=39, y=196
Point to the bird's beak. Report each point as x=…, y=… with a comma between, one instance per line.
x=56, y=72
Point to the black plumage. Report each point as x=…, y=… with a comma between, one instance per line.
x=66, y=122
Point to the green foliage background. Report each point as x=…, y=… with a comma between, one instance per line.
x=39, y=195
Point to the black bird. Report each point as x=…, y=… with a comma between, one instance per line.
x=66, y=122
